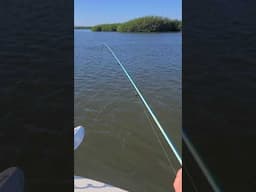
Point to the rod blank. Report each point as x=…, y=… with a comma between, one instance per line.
x=171, y=145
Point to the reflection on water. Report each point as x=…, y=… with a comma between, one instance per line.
x=122, y=146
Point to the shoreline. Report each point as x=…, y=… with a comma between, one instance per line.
x=82, y=29
x=146, y=24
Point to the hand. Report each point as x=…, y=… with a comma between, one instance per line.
x=178, y=181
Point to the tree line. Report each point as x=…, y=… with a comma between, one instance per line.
x=142, y=24
x=82, y=27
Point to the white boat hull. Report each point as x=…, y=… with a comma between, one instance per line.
x=79, y=133
x=88, y=185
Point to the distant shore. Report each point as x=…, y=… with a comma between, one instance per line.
x=82, y=27
x=142, y=24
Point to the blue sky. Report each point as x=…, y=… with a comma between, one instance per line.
x=93, y=12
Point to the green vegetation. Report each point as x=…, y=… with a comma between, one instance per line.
x=150, y=24
x=82, y=27
x=106, y=27
x=143, y=24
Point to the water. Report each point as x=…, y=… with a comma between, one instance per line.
x=123, y=147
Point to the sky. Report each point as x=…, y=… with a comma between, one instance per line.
x=93, y=12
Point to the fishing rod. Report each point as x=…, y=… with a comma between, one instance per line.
x=171, y=145
x=190, y=146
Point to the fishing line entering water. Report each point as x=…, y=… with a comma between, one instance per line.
x=147, y=106
x=161, y=144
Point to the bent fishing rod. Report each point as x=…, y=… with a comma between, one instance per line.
x=171, y=145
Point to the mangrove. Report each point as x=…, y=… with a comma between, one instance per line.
x=142, y=24
x=82, y=27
